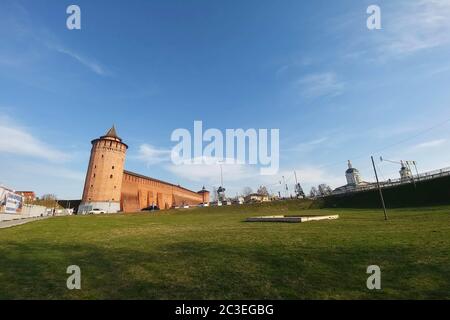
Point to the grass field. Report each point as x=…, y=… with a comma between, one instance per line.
x=210, y=253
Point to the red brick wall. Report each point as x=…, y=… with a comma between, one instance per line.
x=139, y=192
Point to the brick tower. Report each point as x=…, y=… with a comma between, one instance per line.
x=103, y=185
x=205, y=195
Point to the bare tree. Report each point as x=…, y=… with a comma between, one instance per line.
x=313, y=193
x=247, y=191
x=324, y=189
x=48, y=196
x=262, y=190
x=299, y=191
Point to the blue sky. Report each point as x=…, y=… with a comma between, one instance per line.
x=336, y=90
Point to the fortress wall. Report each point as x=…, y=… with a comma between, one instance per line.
x=110, y=188
x=139, y=192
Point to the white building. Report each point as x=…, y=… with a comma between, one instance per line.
x=405, y=172
x=255, y=197
x=353, y=176
x=354, y=180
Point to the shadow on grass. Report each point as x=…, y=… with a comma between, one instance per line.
x=201, y=270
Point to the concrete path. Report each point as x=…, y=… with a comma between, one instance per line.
x=18, y=222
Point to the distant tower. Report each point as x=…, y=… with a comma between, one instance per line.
x=352, y=175
x=205, y=195
x=405, y=172
x=102, y=188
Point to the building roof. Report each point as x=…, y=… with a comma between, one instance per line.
x=350, y=168
x=112, y=133
x=203, y=190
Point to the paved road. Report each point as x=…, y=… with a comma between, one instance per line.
x=13, y=223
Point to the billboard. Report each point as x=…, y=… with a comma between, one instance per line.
x=10, y=202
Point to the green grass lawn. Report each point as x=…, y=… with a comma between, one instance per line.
x=210, y=253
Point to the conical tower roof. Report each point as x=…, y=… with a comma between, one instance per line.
x=112, y=133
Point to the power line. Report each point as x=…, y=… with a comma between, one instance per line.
x=440, y=124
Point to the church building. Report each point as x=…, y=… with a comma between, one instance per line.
x=354, y=180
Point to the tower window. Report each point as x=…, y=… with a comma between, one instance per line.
x=111, y=176
x=94, y=175
x=113, y=167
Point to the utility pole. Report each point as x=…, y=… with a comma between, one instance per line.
x=409, y=163
x=379, y=189
x=221, y=174
x=285, y=188
x=412, y=174
x=415, y=166
x=221, y=189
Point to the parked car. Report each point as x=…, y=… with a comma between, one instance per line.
x=151, y=208
x=204, y=204
x=96, y=211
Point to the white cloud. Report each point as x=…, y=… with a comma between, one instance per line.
x=34, y=164
x=208, y=170
x=21, y=31
x=238, y=176
x=151, y=155
x=320, y=84
x=308, y=146
x=317, y=141
x=430, y=144
x=42, y=178
x=293, y=64
x=415, y=26
x=17, y=140
x=308, y=176
x=92, y=65
x=45, y=170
